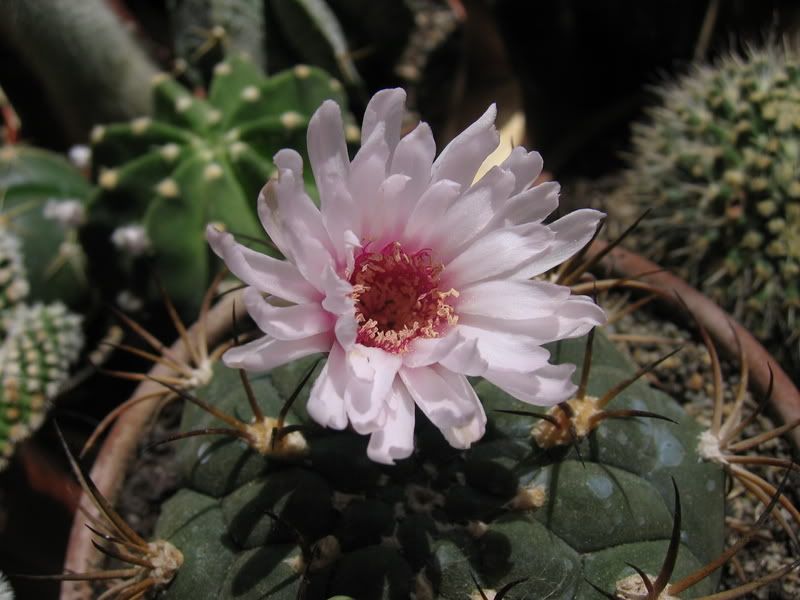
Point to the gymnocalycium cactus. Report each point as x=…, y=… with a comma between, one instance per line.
x=717, y=163
x=195, y=161
x=43, y=204
x=506, y=509
x=41, y=343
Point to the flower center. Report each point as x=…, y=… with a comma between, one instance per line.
x=397, y=298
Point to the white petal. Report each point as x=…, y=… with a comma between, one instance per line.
x=338, y=299
x=453, y=351
x=460, y=159
x=530, y=206
x=371, y=372
x=427, y=214
x=385, y=107
x=327, y=150
x=572, y=232
x=367, y=173
x=502, y=251
x=414, y=157
x=427, y=351
x=545, y=386
x=526, y=167
x=511, y=299
x=287, y=322
x=288, y=215
x=346, y=330
x=395, y=440
x=444, y=406
x=469, y=215
x=573, y=318
x=392, y=206
x=466, y=359
x=269, y=275
x=503, y=350
x=326, y=401
x=449, y=402
x=341, y=217
x=463, y=436
x=267, y=353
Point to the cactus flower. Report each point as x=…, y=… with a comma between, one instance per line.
x=411, y=276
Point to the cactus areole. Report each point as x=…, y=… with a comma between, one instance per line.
x=412, y=276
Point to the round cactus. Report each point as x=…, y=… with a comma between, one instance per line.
x=43, y=205
x=717, y=163
x=195, y=161
x=41, y=343
x=316, y=513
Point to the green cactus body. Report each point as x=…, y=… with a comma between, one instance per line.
x=43, y=206
x=503, y=510
x=196, y=161
x=718, y=165
x=41, y=343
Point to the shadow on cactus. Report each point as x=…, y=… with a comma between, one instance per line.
x=162, y=179
x=718, y=163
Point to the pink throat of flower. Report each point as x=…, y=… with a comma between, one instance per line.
x=397, y=298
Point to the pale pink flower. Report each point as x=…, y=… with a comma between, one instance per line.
x=411, y=277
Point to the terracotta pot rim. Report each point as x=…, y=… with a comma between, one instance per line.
x=721, y=326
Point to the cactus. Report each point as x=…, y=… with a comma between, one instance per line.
x=43, y=199
x=200, y=25
x=41, y=343
x=13, y=280
x=314, y=512
x=197, y=160
x=717, y=164
x=278, y=34
x=86, y=60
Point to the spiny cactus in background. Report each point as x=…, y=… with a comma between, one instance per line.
x=42, y=204
x=162, y=179
x=203, y=30
x=281, y=33
x=13, y=280
x=84, y=58
x=41, y=343
x=309, y=510
x=718, y=165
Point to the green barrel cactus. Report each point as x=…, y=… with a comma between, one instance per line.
x=42, y=204
x=41, y=343
x=314, y=513
x=197, y=160
x=718, y=165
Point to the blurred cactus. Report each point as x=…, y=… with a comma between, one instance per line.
x=718, y=165
x=281, y=33
x=196, y=161
x=203, y=30
x=43, y=205
x=87, y=61
x=313, y=512
x=13, y=280
x=40, y=345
